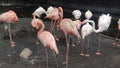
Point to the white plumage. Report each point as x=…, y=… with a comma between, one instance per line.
x=88, y=14
x=39, y=11
x=77, y=14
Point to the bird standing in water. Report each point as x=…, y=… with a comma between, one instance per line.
x=45, y=37
x=9, y=17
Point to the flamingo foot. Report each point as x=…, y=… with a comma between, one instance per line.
x=82, y=54
x=12, y=44
x=64, y=63
x=98, y=53
x=87, y=55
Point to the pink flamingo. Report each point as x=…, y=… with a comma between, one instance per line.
x=9, y=17
x=54, y=14
x=46, y=38
x=69, y=28
x=77, y=22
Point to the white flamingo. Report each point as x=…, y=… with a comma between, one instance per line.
x=103, y=24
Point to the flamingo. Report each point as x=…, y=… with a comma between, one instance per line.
x=86, y=30
x=9, y=17
x=77, y=22
x=46, y=38
x=38, y=12
x=54, y=14
x=69, y=28
x=103, y=24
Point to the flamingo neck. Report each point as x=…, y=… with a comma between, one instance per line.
x=60, y=10
x=95, y=30
x=42, y=27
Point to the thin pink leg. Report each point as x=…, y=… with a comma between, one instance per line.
x=72, y=41
x=46, y=57
x=54, y=31
x=56, y=59
x=87, y=54
x=67, y=42
x=51, y=25
x=98, y=49
x=82, y=54
x=10, y=35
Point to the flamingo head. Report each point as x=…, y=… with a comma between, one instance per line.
x=15, y=17
x=34, y=23
x=88, y=14
x=77, y=14
x=50, y=10
x=38, y=12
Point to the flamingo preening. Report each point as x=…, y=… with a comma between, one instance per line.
x=46, y=38
x=38, y=12
x=54, y=14
x=9, y=17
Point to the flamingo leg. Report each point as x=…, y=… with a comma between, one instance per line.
x=82, y=54
x=46, y=57
x=72, y=38
x=87, y=54
x=67, y=42
x=98, y=49
x=52, y=30
x=10, y=35
x=56, y=59
x=51, y=25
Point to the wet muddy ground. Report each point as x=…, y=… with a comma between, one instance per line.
x=25, y=37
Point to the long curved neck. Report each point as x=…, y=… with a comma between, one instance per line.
x=42, y=27
x=95, y=30
x=60, y=10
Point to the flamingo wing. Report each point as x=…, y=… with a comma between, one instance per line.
x=47, y=39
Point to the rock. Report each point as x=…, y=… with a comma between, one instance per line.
x=25, y=53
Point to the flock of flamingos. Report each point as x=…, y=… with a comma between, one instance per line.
x=68, y=26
